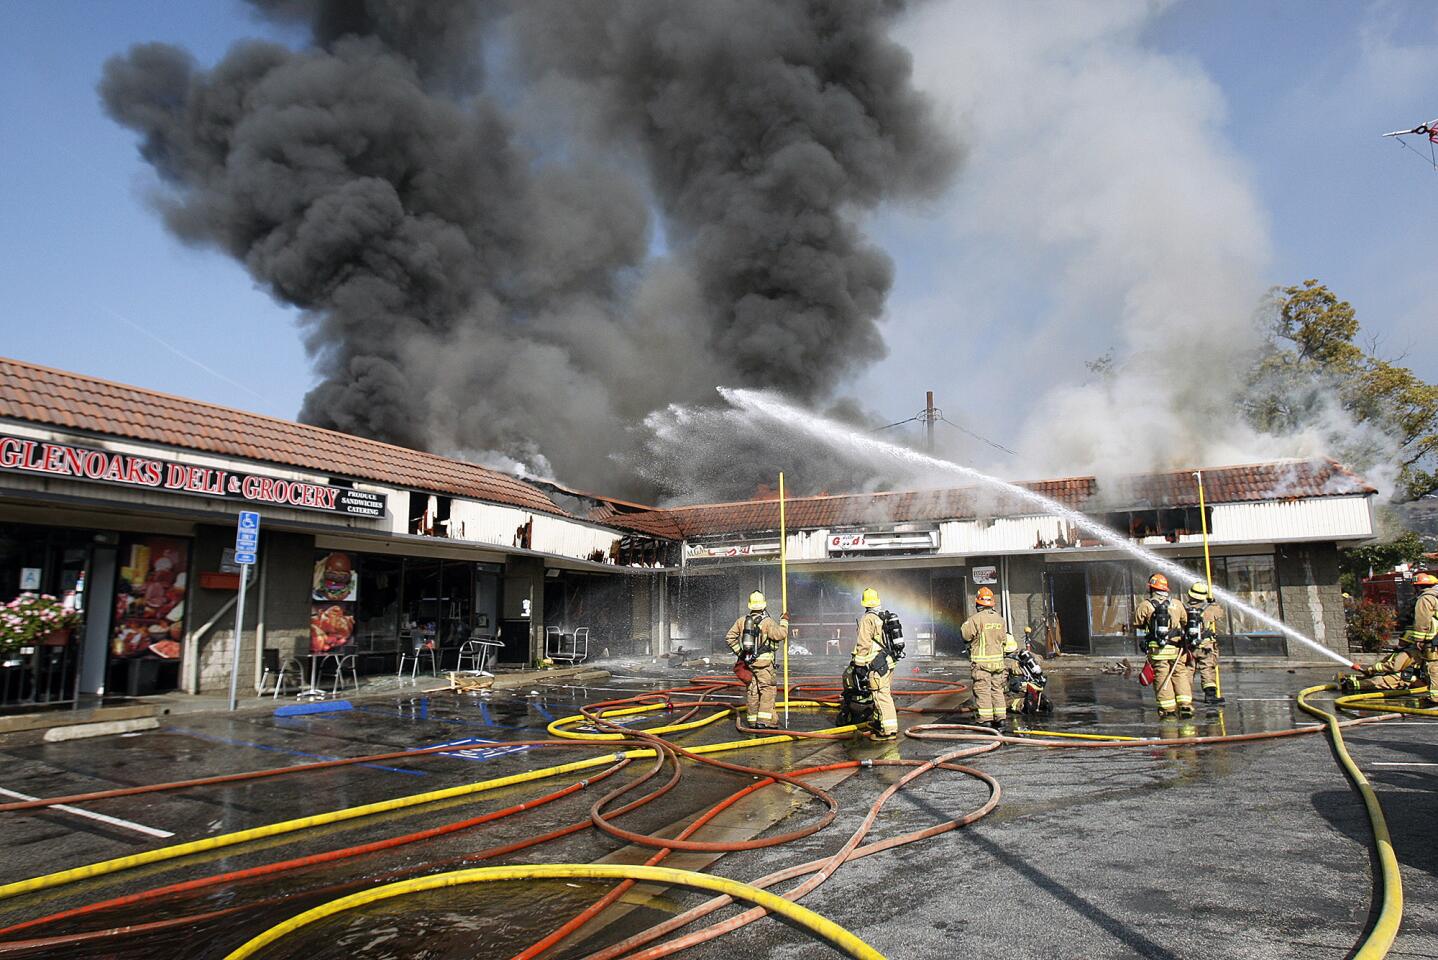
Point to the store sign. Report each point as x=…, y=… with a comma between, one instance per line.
x=40, y=457
x=731, y=551
x=918, y=541
x=984, y=575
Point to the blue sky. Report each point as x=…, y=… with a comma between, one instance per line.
x=91, y=282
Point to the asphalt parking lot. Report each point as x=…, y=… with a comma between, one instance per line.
x=1251, y=850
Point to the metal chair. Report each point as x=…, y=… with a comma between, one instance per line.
x=576, y=651
x=279, y=669
x=345, y=662
x=413, y=657
x=477, y=650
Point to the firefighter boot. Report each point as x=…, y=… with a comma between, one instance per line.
x=1186, y=710
x=1167, y=714
x=1211, y=695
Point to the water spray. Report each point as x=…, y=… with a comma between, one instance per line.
x=837, y=435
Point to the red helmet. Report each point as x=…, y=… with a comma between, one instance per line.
x=1158, y=582
x=985, y=597
x=1425, y=579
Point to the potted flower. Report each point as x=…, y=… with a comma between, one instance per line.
x=34, y=618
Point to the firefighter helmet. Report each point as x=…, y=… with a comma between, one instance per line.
x=1010, y=644
x=1425, y=579
x=1158, y=582
x=1199, y=591
x=870, y=599
x=757, y=601
x=984, y=598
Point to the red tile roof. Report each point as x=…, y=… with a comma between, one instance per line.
x=1279, y=480
x=56, y=398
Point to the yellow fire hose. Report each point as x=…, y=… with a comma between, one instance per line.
x=1075, y=736
x=1376, y=945
x=558, y=727
x=175, y=851
x=1372, y=701
x=800, y=916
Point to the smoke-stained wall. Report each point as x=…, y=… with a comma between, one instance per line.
x=476, y=282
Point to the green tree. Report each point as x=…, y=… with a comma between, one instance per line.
x=1312, y=369
x=1357, y=563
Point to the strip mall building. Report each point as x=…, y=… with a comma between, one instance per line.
x=123, y=502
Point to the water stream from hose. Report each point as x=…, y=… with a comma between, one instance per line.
x=839, y=436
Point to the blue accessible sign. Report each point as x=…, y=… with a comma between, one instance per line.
x=247, y=537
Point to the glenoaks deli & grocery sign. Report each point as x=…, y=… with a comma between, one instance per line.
x=105, y=466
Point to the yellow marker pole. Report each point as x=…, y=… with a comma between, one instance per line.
x=784, y=588
x=1207, y=569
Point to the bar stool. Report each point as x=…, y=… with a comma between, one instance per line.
x=279, y=669
x=478, y=651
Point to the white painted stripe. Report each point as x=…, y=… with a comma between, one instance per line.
x=1404, y=764
x=91, y=815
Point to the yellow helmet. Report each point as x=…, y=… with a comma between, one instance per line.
x=1010, y=644
x=1199, y=591
x=870, y=599
x=757, y=601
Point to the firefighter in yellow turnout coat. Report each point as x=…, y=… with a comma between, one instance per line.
x=988, y=639
x=1424, y=631
x=875, y=661
x=1207, y=616
x=1159, y=622
x=753, y=638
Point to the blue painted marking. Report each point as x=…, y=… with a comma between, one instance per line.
x=468, y=749
x=294, y=753
x=547, y=715
x=484, y=712
x=321, y=706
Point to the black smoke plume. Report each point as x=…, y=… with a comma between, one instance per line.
x=515, y=231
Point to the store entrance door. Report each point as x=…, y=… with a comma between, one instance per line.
x=1068, y=596
x=99, y=602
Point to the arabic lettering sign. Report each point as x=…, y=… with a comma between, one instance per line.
x=42, y=458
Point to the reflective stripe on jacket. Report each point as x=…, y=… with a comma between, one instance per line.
x=1425, y=618
x=986, y=633
x=869, y=640
x=771, y=634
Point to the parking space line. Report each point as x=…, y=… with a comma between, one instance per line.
x=1402, y=763
x=91, y=815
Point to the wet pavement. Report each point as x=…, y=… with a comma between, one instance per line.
x=1250, y=850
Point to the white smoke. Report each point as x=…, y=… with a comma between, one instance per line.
x=1111, y=215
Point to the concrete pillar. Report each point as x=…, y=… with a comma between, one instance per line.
x=1311, y=596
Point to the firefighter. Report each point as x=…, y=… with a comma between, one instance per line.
x=1159, y=622
x=873, y=662
x=1205, y=617
x=753, y=639
x=1396, y=670
x=988, y=638
x=1424, y=632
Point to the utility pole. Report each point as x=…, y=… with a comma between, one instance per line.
x=930, y=415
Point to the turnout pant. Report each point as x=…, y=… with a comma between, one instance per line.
x=1172, y=683
x=886, y=717
x=761, y=694
x=990, y=692
x=1430, y=657
x=1383, y=681
x=1207, y=653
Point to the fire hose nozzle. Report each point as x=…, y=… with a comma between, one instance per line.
x=1357, y=668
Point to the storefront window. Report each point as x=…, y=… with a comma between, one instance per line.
x=378, y=608
x=150, y=598
x=334, y=595
x=1254, y=580
x=1110, y=599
